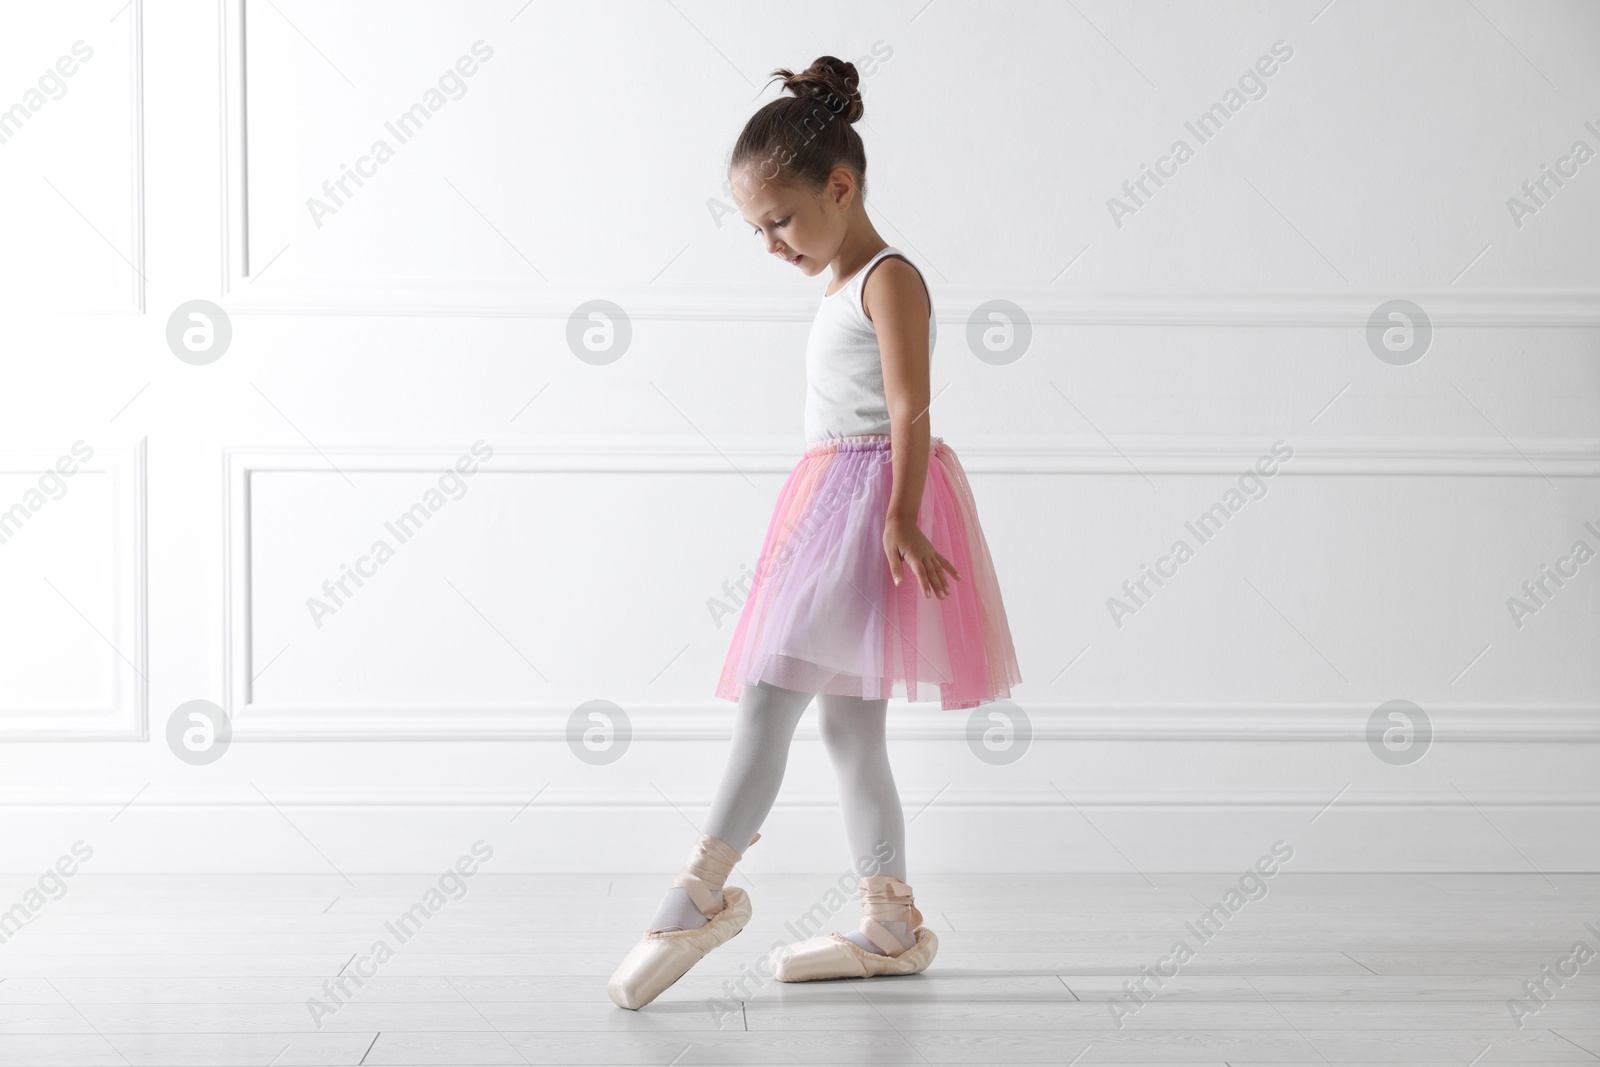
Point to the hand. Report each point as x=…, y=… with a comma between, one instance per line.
x=905, y=544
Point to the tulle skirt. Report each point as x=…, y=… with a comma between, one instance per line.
x=823, y=614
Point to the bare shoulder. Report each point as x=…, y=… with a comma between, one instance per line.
x=895, y=286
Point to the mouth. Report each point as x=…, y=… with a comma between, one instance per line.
x=796, y=260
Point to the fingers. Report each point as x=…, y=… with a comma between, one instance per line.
x=951, y=567
x=930, y=570
x=938, y=565
x=919, y=568
x=930, y=574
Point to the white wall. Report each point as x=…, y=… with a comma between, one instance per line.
x=1166, y=350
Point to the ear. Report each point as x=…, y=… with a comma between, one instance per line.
x=841, y=187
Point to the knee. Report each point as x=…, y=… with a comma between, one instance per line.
x=853, y=729
x=850, y=746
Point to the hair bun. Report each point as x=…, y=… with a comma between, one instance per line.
x=830, y=80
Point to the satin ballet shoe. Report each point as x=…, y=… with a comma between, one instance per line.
x=832, y=955
x=663, y=956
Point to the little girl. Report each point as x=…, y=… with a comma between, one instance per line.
x=873, y=501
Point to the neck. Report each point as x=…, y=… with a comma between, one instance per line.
x=858, y=247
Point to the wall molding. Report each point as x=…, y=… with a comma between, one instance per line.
x=1540, y=836
x=708, y=719
x=732, y=300
x=124, y=158
x=126, y=718
x=712, y=720
x=715, y=301
x=720, y=300
x=132, y=151
x=630, y=797
x=989, y=453
x=234, y=139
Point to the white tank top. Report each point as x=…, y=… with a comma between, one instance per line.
x=844, y=370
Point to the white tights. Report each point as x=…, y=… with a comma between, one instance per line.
x=853, y=734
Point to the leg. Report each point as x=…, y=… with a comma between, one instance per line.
x=853, y=731
x=763, y=726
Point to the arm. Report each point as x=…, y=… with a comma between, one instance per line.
x=897, y=304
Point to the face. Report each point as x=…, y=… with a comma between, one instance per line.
x=798, y=227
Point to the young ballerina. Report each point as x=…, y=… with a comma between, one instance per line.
x=873, y=501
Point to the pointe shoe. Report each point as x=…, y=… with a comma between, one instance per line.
x=833, y=955
x=663, y=956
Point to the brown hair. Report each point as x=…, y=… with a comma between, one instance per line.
x=798, y=140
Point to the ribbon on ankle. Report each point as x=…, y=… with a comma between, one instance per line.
x=885, y=898
x=706, y=870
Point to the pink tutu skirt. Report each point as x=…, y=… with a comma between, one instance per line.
x=824, y=614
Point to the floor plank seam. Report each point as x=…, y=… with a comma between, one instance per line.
x=1574, y=1044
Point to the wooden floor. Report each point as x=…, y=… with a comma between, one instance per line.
x=1326, y=969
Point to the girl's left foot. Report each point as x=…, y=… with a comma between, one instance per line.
x=900, y=930
x=872, y=950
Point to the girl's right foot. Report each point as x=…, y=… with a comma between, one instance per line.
x=666, y=952
x=678, y=911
